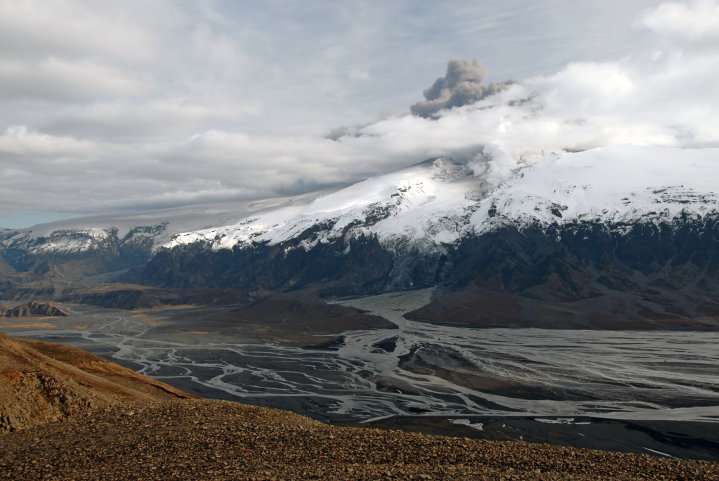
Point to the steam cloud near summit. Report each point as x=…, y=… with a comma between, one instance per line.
x=661, y=96
x=461, y=85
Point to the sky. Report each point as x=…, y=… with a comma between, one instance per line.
x=136, y=105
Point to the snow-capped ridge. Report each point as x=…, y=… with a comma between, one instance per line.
x=64, y=241
x=400, y=205
x=437, y=204
x=611, y=185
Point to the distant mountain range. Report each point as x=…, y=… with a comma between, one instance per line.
x=611, y=237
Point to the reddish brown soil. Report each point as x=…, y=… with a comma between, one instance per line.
x=216, y=440
x=42, y=382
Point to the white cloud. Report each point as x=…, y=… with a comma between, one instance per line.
x=58, y=79
x=694, y=20
x=20, y=141
x=667, y=101
x=583, y=106
x=589, y=81
x=144, y=118
x=28, y=28
x=182, y=103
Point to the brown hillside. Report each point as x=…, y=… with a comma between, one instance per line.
x=215, y=440
x=42, y=382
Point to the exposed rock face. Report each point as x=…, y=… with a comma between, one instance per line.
x=584, y=259
x=639, y=271
x=358, y=265
x=34, y=308
x=580, y=260
x=585, y=275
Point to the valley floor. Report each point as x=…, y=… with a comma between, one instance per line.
x=418, y=376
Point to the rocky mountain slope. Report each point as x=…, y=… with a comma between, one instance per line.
x=76, y=253
x=78, y=249
x=215, y=440
x=628, y=230
x=33, y=309
x=42, y=382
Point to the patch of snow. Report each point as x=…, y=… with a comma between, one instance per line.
x=468, y=423
x=660, y=453
x=60, y=241
x=562, y=421
x=72, y=241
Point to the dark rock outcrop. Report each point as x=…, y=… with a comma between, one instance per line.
x=358, y=265
x=581, y=260
x=644, y=270
x=35, y=309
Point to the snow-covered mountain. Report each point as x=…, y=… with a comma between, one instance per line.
x=117, y=242
x=89, y=233
x=592, y=215
x=64, y=241
x=438, y=203
x=570, y=226
x=432, y=205
x=427, y=203
x=610, y=237
x=84, y=250
x=612, y=185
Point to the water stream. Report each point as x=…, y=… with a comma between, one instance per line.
x=617, y=374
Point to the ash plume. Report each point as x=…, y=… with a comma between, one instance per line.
x=461, y=85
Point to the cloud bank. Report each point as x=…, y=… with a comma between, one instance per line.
x=116, y=124
x=697, y=20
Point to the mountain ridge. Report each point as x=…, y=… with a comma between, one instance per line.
x=603, y=223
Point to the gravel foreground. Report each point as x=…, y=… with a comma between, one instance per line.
x=216, y=440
